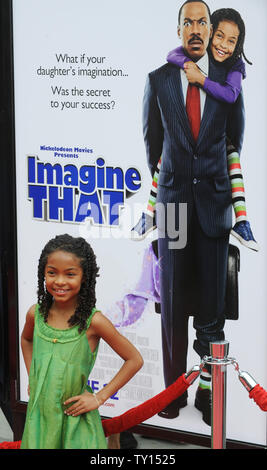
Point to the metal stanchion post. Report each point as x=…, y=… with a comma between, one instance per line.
x=193, y=374
x=219, y=351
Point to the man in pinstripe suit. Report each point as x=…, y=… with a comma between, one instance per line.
x=193, y=171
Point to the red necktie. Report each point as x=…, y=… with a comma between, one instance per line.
x=193, y=109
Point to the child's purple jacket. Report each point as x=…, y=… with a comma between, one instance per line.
x=228, y=91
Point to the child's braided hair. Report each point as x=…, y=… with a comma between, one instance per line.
x=86, y=297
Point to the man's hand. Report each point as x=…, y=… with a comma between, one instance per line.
x=193, y=73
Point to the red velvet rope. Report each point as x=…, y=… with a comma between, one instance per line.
x=10, y=445
x=135, y=415
x=146, y=410
x=259, y=395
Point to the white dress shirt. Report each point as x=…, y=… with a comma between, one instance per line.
x=203, y=64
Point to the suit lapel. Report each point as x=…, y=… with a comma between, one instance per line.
x=176, y=95
x=216, y=74
x=208, y=113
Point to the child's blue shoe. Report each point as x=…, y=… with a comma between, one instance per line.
x=243, y=233
x=145, y=225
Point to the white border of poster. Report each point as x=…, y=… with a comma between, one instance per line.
x=80, y=70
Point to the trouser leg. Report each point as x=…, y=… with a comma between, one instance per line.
x=211, y=258
x=174, y=292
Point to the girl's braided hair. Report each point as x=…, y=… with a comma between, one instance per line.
x=229, y=14
x=86, y=297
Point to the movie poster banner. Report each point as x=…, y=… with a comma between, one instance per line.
x=80, y=70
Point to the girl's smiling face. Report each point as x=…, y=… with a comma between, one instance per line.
x=224, y=40
x=63, y=276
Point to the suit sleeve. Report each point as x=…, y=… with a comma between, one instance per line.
x=236, y=123
x=152, y=126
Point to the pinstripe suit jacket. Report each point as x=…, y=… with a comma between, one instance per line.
x=191, y=172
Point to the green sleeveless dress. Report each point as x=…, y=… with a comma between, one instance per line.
x=61, y=363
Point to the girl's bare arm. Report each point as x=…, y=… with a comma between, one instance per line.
x=27, y=338
x=101, y=327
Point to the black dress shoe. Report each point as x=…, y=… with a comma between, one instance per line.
x=172, y=411
x=127, y=440
x=203, y=403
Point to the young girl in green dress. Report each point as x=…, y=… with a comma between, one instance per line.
x=59, y=342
